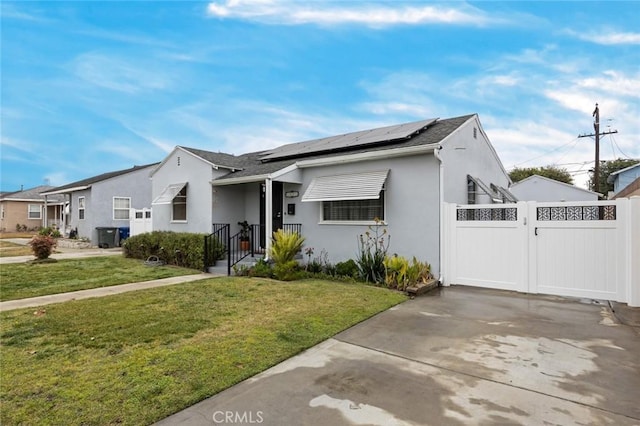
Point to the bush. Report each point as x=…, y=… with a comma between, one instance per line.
x=400, y=274
x=42, y=246
x=262, y=269
x=348, y=268
x=50, y=231
x=372, y=252
x=285, y=246
x=287, y=271
x=173, y=248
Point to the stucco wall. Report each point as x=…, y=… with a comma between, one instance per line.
x=181, y=166
x=411, y=210
x=462, y=155
x=99, y=202
x=539, y=189
x=17, y=213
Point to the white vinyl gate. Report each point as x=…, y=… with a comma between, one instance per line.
x=579, y=249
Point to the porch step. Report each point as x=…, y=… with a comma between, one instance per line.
x=221, y=265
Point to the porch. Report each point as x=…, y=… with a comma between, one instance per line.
x=223, y=250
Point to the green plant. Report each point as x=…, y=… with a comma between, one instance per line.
x=262, y=269
x=347, y=268
x=396, y=268
x=286, y=271
x=285, y=246
x=174, y=248
x=244, y=230
x=241, y=270
x=373, y=247
x=50, y=231
x=42, y=246
x=419, y=272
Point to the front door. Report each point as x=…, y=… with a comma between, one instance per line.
x=276, y=211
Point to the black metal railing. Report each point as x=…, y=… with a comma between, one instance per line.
x=216, y=244
x=220, y=244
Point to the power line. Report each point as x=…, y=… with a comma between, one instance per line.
x=546, y=153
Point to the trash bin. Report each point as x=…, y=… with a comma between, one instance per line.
x=123, y=233
x=107, y=237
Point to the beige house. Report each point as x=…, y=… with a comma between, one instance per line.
x=24, y=210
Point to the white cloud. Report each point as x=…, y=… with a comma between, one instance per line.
x=333, y=13
x=607, y=37
x=122, y=75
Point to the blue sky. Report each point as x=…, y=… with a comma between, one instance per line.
x=96, y=86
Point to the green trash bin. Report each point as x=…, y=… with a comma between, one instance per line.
x=107, y=237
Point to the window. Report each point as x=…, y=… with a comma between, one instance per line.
x=471, y=191
x=121, y=206
x=179, y=205
x=35, y=211
x=81, y=208
x=353, y=210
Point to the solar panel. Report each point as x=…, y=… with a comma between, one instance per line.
x=348, y=140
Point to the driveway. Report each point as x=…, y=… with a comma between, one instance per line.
x=457, y=356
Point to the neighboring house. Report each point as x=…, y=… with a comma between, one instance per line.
x=626, y=182
x=540, y=188
x=104, y=201
x=25, y=210
x=333, y=188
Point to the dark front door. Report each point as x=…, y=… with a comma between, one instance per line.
x=276, y=211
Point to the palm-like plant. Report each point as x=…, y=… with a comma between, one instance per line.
x=285, y=246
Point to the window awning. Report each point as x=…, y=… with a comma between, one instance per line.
x=356, y=186
x=169, y=193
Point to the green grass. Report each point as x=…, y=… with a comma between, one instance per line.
x=135, y=358
x=22, y=280
x=9, y=249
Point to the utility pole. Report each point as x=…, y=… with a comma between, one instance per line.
x=597, y=134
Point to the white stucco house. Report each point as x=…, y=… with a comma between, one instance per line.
x=544, y=189
x=331, y=189
x=103, y=201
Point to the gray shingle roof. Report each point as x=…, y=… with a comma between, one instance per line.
x=94, y=179
x=252, y=165
x=32, y=194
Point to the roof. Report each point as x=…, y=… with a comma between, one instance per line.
x=568, y=185
x=613, y=175
x=86, y=183
x=32, y=194
x=261, y=163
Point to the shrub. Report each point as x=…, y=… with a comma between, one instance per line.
x=285, y=246
x=50, y=231
x=174, y=248
x=400, y=274
x=262, y=269
x=42, y=246
x=348, y=268
x=374, y=244
x=287, y=271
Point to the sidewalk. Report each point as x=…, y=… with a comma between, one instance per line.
x=66, y=253
x=97, y=292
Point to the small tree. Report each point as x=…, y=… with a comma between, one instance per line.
x=551, y=172
x=42, y=246
x=606, y=168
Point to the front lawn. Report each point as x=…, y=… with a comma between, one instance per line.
x=22, y=280
x=135, y=358
x=9, y=249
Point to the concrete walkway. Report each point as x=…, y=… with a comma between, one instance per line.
x=98, y=292
x=458, y=356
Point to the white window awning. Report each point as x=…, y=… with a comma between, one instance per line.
x=169, y=193
x=356, y=186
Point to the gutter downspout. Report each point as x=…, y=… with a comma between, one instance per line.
x=436, y=154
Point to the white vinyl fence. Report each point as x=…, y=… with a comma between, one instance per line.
x=579, y=249
x=140, y=222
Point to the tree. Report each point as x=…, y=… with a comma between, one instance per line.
x=551, y=172
x=606, y=168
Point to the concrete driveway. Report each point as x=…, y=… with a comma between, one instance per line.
x=457, y=356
